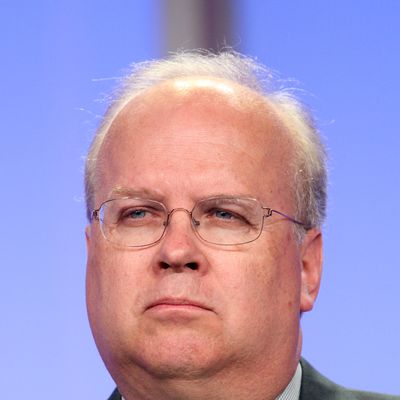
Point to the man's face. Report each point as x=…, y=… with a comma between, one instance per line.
x=182, y=307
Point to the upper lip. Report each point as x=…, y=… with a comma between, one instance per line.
x=178, y=301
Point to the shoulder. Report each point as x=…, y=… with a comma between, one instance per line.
x=316, y=386
x=115, y=395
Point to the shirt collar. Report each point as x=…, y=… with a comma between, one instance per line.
x=292, y=391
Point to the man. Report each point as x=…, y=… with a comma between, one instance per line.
x=206, y=191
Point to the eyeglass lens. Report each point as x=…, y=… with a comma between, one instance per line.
x=137, y=222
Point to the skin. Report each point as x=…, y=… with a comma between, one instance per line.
x=182, y=318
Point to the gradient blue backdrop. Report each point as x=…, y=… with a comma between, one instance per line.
x=54, y=56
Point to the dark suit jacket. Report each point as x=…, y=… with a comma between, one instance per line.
x=314, y=386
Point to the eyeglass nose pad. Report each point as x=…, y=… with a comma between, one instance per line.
x=194, y=221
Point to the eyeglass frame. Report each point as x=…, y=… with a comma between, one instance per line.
x=95, y=215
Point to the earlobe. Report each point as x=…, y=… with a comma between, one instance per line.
x=311, y=259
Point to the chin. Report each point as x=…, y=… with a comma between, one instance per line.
x=185, y=356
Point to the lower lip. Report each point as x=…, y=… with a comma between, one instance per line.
x=166, y=310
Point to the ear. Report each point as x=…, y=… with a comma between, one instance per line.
x=88, y=233
x=311, y=259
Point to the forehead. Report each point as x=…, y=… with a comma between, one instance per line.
x=190, y=123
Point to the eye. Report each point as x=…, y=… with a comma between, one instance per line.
x=223, y=214
x=135, y=214
x=138, y=215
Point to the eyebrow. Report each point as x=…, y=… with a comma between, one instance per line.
x=123, y=191
x=145, y=193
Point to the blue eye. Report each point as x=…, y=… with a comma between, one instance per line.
x=137, y=214
x=224, y=214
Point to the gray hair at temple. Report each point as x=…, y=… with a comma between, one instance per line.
x=310, y=167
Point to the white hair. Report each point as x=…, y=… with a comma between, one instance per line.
x=310, y=166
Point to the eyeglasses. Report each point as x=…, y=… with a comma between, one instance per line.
x=136, y=222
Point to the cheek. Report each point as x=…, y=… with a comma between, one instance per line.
x=262, y=288
x=113, y=283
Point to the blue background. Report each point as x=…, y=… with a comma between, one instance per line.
x=58, y=60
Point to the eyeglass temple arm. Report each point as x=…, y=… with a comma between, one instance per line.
x=269, y=212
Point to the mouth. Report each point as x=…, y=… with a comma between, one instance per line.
x=173, y=303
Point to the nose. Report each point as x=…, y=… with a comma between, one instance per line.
x=180, y=249
x=178, y=209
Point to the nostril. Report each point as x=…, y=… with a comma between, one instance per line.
x=192, y=265
x=164, y=265
x=179, y=267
